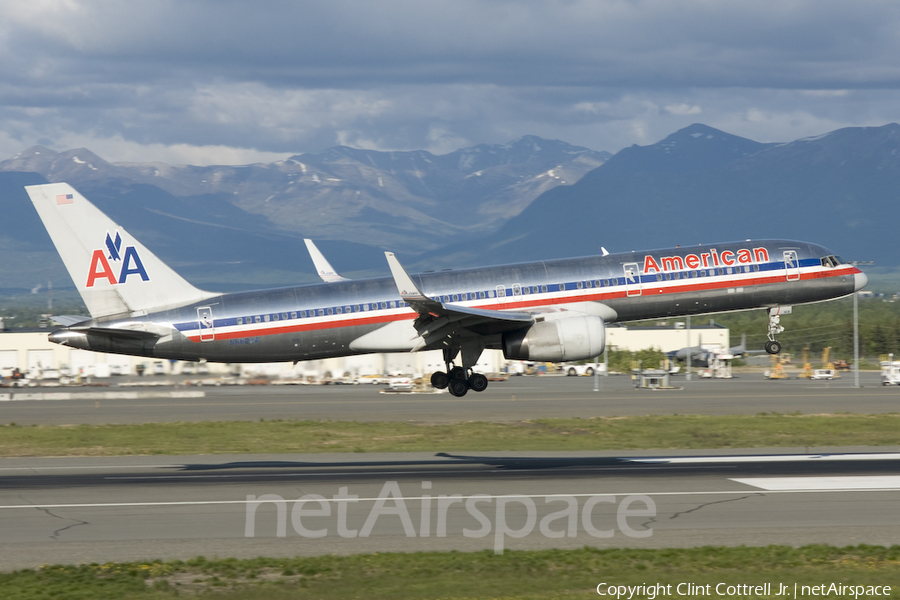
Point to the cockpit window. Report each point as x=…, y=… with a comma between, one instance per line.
x=831, y=261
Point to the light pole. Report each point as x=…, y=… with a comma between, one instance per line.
x=687, y=376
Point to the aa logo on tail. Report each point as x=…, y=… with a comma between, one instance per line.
x=102, y=269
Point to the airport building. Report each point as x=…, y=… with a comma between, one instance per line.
x=29, y=351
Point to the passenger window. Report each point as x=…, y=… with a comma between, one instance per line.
x=320, y=312
x=579, y=285
x=480, y=295
x=516, y=289
x=293, y=315
x=501, y=292
x=257, y=319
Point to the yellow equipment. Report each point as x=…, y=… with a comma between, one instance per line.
x=777, y=372
x=807, y=368
x=826, y=364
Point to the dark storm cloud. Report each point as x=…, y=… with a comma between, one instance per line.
x=287, y=77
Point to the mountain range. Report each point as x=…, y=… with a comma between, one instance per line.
x=701, y=185
x=228, y=227
x=244, y=225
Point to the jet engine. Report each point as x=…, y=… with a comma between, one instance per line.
x=570, y=338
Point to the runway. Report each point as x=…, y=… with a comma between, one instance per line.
x=517, y=398
x=141, y=508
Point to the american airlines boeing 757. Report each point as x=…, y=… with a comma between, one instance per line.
x=554, y=310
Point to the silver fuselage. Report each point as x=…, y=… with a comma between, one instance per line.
x=323, y=320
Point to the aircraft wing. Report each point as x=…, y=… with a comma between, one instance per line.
x=437, y=317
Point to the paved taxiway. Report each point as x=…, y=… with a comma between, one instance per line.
x=517, y=398
x=133, y=508
x=139, y=508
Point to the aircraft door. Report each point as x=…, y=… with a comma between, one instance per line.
x=792, y=265
x=632, y=279
x=207, y=325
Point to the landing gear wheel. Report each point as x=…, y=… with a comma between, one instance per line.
x=439, y=380
x=458, y=387
x=773, y=347
x=458, y=373
x=478, y=382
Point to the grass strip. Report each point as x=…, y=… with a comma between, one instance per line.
x=673, y=432
x=515, y=574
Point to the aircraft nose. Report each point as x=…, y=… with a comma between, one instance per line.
x=859, y=281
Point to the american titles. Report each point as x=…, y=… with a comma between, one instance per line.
x=713, y=258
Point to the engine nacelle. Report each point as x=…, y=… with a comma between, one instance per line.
x=571, y=338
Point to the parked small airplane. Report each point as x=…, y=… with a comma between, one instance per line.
x=543, y=311
x=701, y=356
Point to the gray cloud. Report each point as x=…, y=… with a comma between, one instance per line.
x=211, y=80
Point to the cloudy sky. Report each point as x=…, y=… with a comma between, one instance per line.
x=233, y=82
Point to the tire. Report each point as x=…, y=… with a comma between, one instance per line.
x=478, y=382
x=457, y=373
x=571, y=372
x=589, y=372
x=773, y=347
x=439, y=380
x=458, y=387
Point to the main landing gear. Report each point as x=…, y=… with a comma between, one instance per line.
x=458, y=381
x=772, y=346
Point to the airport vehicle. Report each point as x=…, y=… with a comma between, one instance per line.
x=823, y=374
x=890, y=372
x=543, y=311
x=585, y=369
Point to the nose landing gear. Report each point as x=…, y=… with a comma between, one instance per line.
x=773, y=346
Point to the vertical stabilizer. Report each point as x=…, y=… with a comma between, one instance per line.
x=323, y=267
x=114, y=273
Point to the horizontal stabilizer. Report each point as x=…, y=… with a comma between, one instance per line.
x=68, y=320
x=127, y=334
